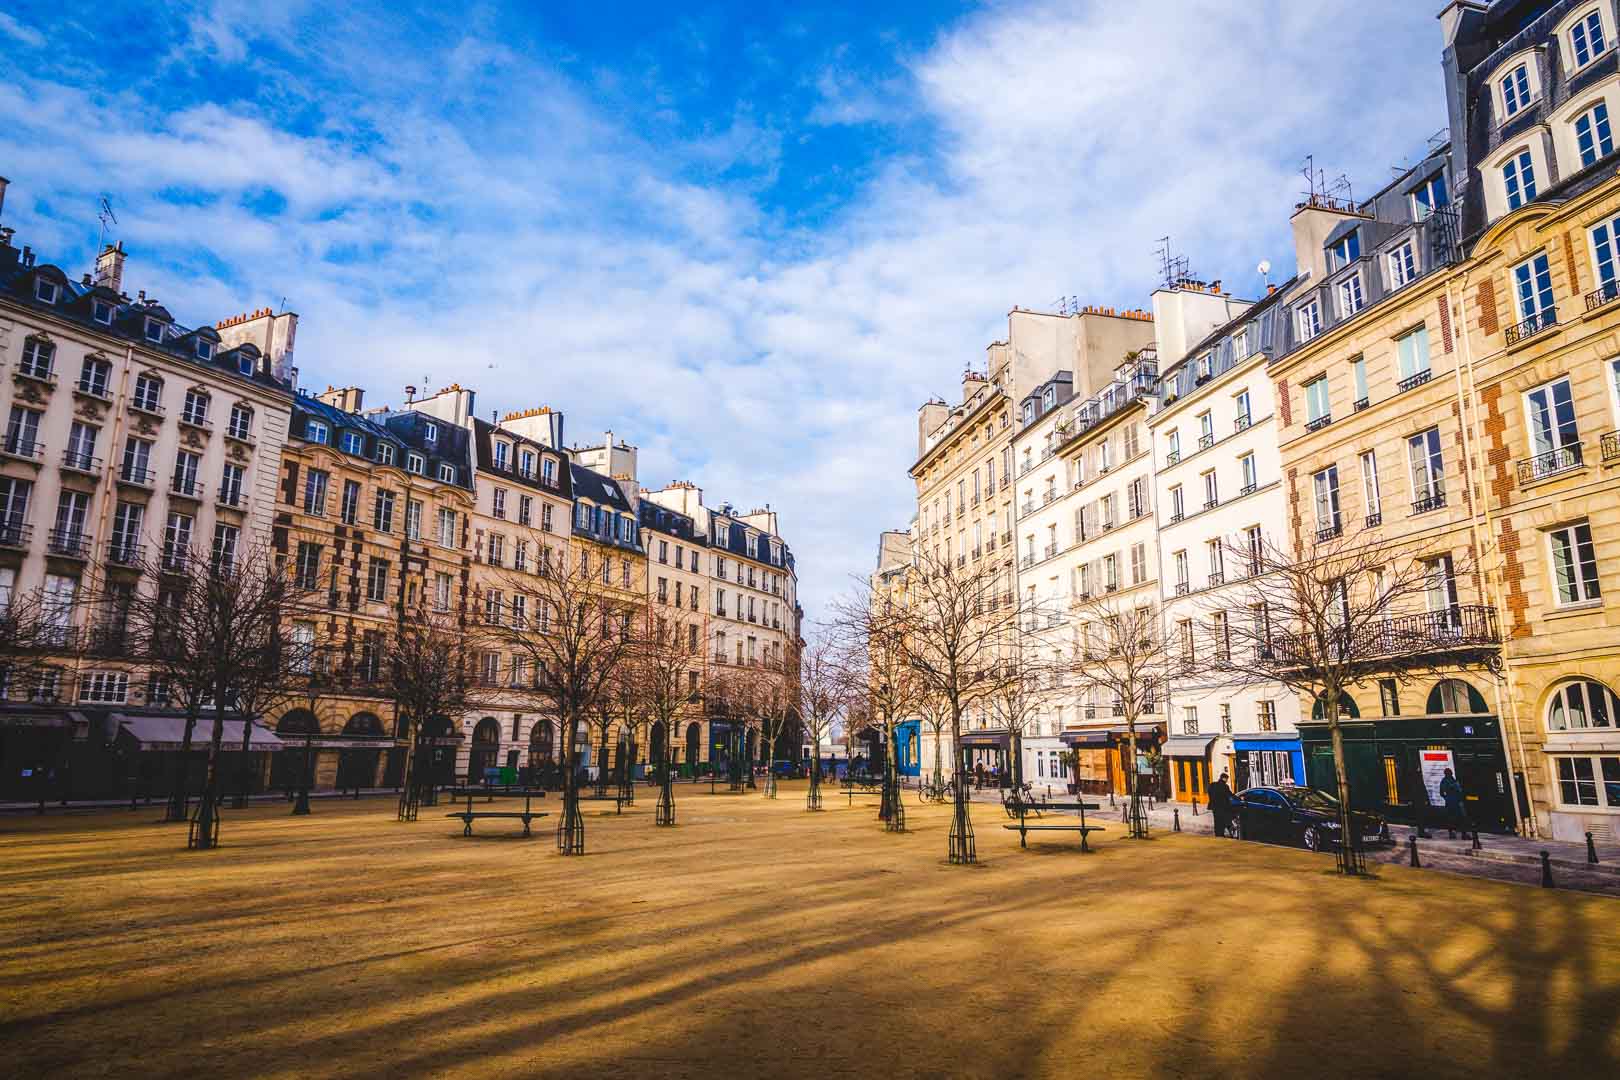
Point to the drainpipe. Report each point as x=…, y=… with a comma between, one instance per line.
x=1490, y=573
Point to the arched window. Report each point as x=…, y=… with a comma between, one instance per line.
x=1582, y=704
x=1455, y=697
x=298, y=722
x=1348, y=710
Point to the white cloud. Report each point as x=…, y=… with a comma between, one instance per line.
x=475, y=215
x=11, y=28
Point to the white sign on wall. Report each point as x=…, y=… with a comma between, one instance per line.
x=1434, y=764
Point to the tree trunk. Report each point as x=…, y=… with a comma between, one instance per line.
x=665, y=814
x=960, y=842
x=813, y=799
x=1349, y=843
x=205, y=826
x=247, y=772
x=180, y=797
x=1136, y=816
x=571, y=825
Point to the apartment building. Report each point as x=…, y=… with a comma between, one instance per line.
x=1218, y=485
x=1533, y=86
x=132, y=441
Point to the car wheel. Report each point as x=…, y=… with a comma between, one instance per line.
x=1234, y=828
x=1313, y=839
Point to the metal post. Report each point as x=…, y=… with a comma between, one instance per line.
x=1411, y=846
x=1195, y=806
x=1175, y=815
x=1546, y=871
x=1591, y=850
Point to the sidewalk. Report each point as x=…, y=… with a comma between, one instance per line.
x=53, y=806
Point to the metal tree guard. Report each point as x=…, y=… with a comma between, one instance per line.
x=571, y=826
x=894, y=816
x=734, y=767
x=749, y=770
x=812, y=801
x=665, y=814
x=301, y=806
x=961, y=839
x=627, y=765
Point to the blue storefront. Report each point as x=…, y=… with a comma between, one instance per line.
x=907, y=754
x=1266, y=759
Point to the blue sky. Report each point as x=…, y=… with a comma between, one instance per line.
x=749, y=238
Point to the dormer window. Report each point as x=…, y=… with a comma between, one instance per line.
x=1049, y=398
x=1309, y=317
x=1346, y=251
x=45, y=291
x=415, y=463
x=548, y=471
x=1515, y=91
x=385, y=453
x=430, y=434
x=101, y=312
x=1430, y=196
x=1351, y=297
x=1586, y=42
x=154, y=330
x=205, y=349
x=447, y=473
x=526, y=463
x=1519, y=179
x=1593, y=137
x=315, y=431
x=354, y=443
x=1029, y=412
x=244, y=364
x=503, y=456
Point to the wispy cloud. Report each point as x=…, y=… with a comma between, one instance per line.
x=443, y=201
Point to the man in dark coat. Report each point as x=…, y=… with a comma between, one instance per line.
x=1451, y=793
x=1220, y=804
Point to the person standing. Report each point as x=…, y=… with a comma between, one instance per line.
x=1451, y=793
x=1220, y=804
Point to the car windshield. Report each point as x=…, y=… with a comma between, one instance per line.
x=1309, y=798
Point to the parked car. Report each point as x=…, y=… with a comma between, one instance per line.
x=1290, y=814
x=788, y=770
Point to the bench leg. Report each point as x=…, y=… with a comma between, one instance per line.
x=1083, y=846
x=466, y=827
x=1023, y=836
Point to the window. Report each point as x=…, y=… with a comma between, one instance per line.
x=1189, y=720
x=1586, y=39
x=1251, y=476
x=1182, y=577
x=224, y=553
x=354, y=443
x=447, y=528
x=1519, y=179
x=1402, y=265
x=1178, y=508
x=1532, y=289
x=22, y=432
x=1241, y=405
x=1605, y=239
x=81, y=447
x=443, y=588
x=548, y=471
x=1430, y=196
x=415, y=463
x=413, y=519
x=377, y=580
x=126, y=532
x=176, y=540
x=430, y=434
x=1515, y=91
x=36, y=358
x=154, y=330
x=1206, y=430
x=104, y=687
x=497, y=549
x=1574, y=563
x=1580, y=705
x=1138, y=563
x=241, y=425
x=382, y=512
x=1211, y=493
x=1217, y=564
x=1358, y=376
x=1369, y=486
x=447, y=473
x=195, y=410
x=503, y=456
x=545, y=517
x=230, y=484
x=497, y=503
x=1554, y=439
x=1318, y=408
x=315, y=432
x=185, y=472
x=525, y=509
x=1254, y=544
x=315, y=483
x=1442, y=589
x=148, y=393
x=1412, y=355
x=1345, y=251
x=307, y=568
x=1309, y=318
x=350, y=507
x=1326, y=484
x=1351, y=297
x=526, y=464
x=1428, y=470
x=94, y=374
x=1593, y=138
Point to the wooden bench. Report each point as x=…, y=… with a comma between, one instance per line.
x=1021, y=810
x=1083, y=830
x=616, y=800
x=467, y=817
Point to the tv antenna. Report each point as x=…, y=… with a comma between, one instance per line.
x=1172, y=268
x=104, y=213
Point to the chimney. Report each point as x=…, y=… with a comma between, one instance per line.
x=274, y=335
x=1313, y=222
x=348, y=398
x=110, y=267
x=930, y=416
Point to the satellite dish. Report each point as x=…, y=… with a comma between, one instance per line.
x=1264, y=268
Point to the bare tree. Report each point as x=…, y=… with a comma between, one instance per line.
x=1030, y=679
x=823, y=700
x=430, y=662
x=1125, y=660
x=213, y=637
x=958, y=625
x=660, y=674
x=1357, y=607
x=33, y=630
x=581, y=635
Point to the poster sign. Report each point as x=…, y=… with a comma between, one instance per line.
x=1434, y=764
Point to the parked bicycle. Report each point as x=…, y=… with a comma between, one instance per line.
x=935, y=790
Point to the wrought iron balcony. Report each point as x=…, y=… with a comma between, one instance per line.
x=1606, y=293
x=109, y=641
x=1210, y=504
x=1217, y=578
x=124, y=552
x=68, y=543
x=1027, y=561
x=1182, y=588
x=1051, y=550
x=1248, y=489
x=231, y=497
x=196, y=420
x=1432, y=501
x=1172, y=457
x=23, y=449
x=41, y=373
x=1610, y=444
x=152, y=406
x=1532, y=326
x=1414, y=380
x=135, y=475
x=1398, y=639
x=1206, y=441
x=1319, y=423
x=15, y=533
x=1175, y=516
x=1559, y=459
x=91, y=389
x=78, y=461
x=1359, y=404
x=191, y=489
x=1329, y=532
x=1241, y=423
x=1374, y=520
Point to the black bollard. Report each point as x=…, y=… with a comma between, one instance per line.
x=1195, y=806
x=1546, y=871
x=1591, y=849
x=1476, y=838
x=1175, y=815
x=1411, y=846
x=1124, y=813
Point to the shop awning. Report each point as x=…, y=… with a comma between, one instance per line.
x=34, y=719
x=1279, y=740
x=986, y=740
x=336, y=742
x=1097, y=739
x=1187, y=746
x=169, y=732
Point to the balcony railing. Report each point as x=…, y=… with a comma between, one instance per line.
x=231, y=497
x=91, y=389
x=1554, y=461
x=1182, y=588
x=149, y=405
x=68, y=543
x=1328, y=532
x=1027, y=561
x=1248, y=489
x=1414, y=380
x=1432, y=501
x=1172, y=457
x=124, y=552
x=26, y=449
x=1459, y=628
x=1375, y=520
x=1359, y=404
x=1051, y=550
x=15, y=533
x=1241, y=423
x=38, y=372
x=1210, y=504
x=1206, y=441
x=79, y=461
x=1319, y=423
x=191, y=489
x=1610, y=446
x=1606, y=293
x=1535, y=324
x=1217, y=578
x=136, y=475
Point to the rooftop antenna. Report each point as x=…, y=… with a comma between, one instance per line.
x=104, y=213
x=1172, y=268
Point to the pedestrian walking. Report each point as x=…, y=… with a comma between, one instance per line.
x=1220, y=804
x=1451, y=793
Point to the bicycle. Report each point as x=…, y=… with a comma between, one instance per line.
x=936, y=791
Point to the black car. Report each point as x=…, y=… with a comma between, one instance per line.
x=1290, y=814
